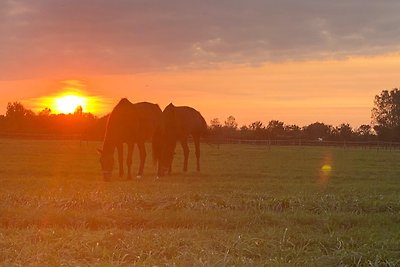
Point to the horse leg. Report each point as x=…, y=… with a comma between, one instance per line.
x=129, y=160
x=196, y=140
x=120, y=149
x=185, y=148
x=171, y=160
x=142, y=152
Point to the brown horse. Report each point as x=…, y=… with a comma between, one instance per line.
x=177, y=124
x=132, y=124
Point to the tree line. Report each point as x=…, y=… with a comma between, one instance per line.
x=385, y=125
x=20, y=121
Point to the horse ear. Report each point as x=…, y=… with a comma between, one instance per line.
x=99, y=151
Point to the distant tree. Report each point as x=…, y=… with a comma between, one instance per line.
x=344, y=132
x=18, y=118
x=216, y=128
x=386, y=111
x=229, y=129
x=244, y=132
x=16, y=111
x=231, y=123
x=317, y=130
x=257, y=130
x=244, y=128
x=215, y=124
x=386, y=114
x=293, y=131
x=255, y=126
x=45, y=112
x=275, y=129
x=364, y=131
x=2, y=122
x=78, y=110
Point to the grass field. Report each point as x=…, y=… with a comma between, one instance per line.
x=250, y=206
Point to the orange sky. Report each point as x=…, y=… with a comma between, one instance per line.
x=331, y=91
x=299, y=61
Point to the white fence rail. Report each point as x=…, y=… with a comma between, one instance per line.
x=303, y=142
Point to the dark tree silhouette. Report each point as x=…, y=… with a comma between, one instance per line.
x=364, y=132
x=257, y=130
x=216, y=131
x=18, y=118
x=231, y=123
x=343, y=132
x=20, y=121
x=16, y=111
x=215, y=123
x=45, y=112
x=317, y=130
x=386, y=114
x=275, y=129
x=293, y=131
x=78, y=110
x=256, y=126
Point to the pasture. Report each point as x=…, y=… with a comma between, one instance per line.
x=250, y=206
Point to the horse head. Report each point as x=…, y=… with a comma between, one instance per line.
x=107, y=164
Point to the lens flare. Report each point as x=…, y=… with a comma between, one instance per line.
x=326, y=168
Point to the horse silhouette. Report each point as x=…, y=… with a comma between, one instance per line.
x=177, y=124
x=132, y=124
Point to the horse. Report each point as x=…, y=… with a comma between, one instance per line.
x=177, y=124
x=132, y=124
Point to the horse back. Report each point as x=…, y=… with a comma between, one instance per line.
x=130, y=122
x=190, y=121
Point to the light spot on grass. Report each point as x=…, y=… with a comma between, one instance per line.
x=326, y=168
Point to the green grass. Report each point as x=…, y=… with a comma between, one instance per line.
x=250, y=206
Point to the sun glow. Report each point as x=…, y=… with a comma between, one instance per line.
x=69, y=103
x=71, y=95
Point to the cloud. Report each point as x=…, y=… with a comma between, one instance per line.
x=59, y=38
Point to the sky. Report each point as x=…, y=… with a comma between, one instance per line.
x=298, y=61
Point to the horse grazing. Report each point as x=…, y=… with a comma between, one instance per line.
x=177, y=124
x=132, y=124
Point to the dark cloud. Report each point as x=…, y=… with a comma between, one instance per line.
x=49, y=37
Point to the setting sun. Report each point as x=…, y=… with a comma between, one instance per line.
x=69, y=103
x=72, y=94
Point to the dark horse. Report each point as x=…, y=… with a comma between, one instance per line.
x=177, y=124
x=132, y=124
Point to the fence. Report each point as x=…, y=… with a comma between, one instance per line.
x=303, y=142
x=265, y=142
x=42, y=136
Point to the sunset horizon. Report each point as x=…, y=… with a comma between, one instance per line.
x=313, y=65
x=314, y=100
